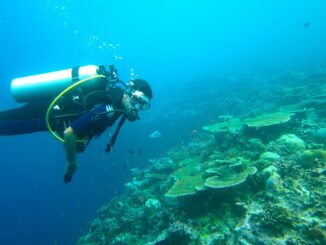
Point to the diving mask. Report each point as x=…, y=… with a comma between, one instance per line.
x=140, y=100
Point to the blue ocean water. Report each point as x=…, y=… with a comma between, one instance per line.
x=176, y=45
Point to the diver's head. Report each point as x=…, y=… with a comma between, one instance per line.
x=137, y=98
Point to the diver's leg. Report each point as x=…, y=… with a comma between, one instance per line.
x=27, y=111
x=19, y=113
x=28, y=118
x=70, y=145
x=15, y=127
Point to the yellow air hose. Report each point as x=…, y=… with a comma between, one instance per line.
x=48, y=112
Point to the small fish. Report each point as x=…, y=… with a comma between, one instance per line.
x=131, y=151
x=155, y=134
x=306, y=24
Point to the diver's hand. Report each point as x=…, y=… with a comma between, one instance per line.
x=71, y=169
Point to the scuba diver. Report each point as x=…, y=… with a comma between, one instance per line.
x=75, y=105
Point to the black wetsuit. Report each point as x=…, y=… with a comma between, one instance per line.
x=30, y=118
x=102, y=116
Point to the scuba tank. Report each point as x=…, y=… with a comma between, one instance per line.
x=48, y=85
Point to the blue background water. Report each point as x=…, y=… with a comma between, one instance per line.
x=173, y=44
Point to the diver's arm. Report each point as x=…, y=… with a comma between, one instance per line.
x=70, y=145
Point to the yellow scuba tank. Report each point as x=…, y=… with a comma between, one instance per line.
x=32, y=88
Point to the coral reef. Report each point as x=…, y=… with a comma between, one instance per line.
x=270, y=156
x=277, y=218
x=188, y=179
x=228, y=176
x=233, y=126
x=291, y=142
x=269, y=119
x=257, y=177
